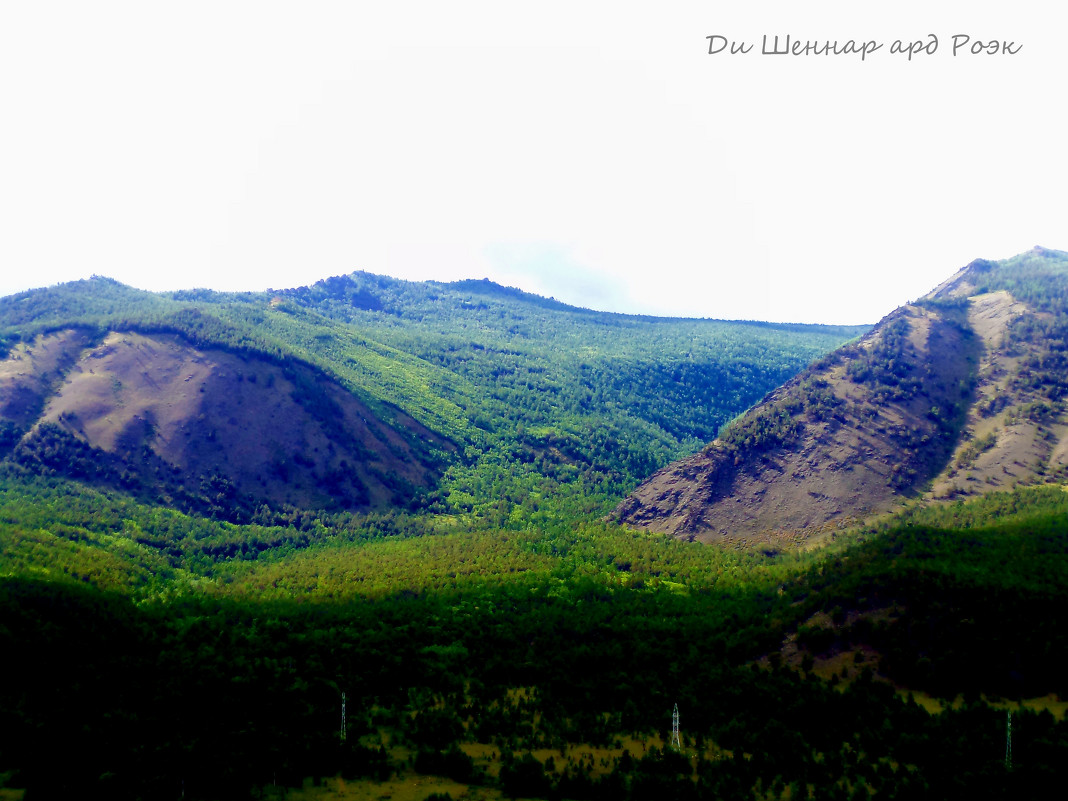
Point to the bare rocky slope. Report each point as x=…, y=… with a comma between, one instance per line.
x=958, y=393
x=156, y=414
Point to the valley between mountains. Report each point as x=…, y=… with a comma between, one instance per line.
x=374, y=538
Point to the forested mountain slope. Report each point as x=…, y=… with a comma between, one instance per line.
x=368, y=392
x=961, y=391
x=947, y=598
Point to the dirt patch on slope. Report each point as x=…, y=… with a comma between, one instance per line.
x=1012, y=434
x=236, y=427
x=847, y=439
x=30, y=371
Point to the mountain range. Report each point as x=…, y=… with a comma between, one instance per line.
x=454, y=541
x=364, y=392
x=361, y=392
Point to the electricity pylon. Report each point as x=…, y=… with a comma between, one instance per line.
x=343, y=727
x=675, y=741
x=1008, y=740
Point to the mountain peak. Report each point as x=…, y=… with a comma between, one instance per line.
x=939, y=399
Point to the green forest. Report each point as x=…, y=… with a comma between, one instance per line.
x=157, y=654
x=495, y=636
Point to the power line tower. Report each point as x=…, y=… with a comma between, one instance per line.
x=675, y=741
x=343, y=726
x=1008, y=740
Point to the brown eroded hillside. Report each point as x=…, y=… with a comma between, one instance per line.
x=154, y=413
x=28, y=375
x=1016, y=431
x=961, y=393
x=872, y=421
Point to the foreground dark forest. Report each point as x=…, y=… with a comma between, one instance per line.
x=225, y=676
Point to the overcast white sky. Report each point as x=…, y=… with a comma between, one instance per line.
x=592, y=151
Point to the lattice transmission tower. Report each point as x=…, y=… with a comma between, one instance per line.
x=343, y=726
x=675, y=741
x=1008, y=740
